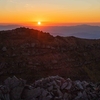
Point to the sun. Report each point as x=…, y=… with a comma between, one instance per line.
x=39, y=23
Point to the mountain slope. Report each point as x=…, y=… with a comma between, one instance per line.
x=32, y=54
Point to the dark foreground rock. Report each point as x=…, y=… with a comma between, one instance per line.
x=50, y=88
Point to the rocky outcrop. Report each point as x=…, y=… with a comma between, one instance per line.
x=50, y=88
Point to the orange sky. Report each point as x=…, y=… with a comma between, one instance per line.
x=49, y=12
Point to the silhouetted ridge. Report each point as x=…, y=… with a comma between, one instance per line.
x=23, y=32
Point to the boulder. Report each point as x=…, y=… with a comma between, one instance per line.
x=29, y=93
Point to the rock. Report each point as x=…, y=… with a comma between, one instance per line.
x=69, y=86
x=47, y=98
x=7, y=81
x=58, y=98
x=85, y=97
x=50, y=88
x=4, y=49
x=65, y=96
x=79, y=85
x=44, y=93
x=4, y=89
x=58, y=82
x=15, y=93
x=79, y=97
x=22, y=82
x=14, y=81
x=55, y=85
x=30, y=93
x=33, y=99
x=64, y=85
x=2, y=65
x=60, y=94
x=84, y=83
x=4, y=93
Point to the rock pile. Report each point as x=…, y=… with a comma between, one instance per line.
x=50, y=88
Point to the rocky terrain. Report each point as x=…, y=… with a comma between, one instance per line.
x=32, y=54
x=49, y=88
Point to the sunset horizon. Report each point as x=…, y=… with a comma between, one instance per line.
x=35, y=23
x=58, y=12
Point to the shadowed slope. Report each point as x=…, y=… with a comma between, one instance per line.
x=32, y=54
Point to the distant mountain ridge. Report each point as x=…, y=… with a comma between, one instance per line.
x=81, y=31
x=8, y=27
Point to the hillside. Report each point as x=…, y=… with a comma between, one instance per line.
x=33, y=54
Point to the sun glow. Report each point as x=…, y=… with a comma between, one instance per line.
x=39, y=23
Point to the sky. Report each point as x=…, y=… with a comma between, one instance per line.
x=49, y=12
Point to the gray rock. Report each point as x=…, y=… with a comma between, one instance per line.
x=79, y=85
x=64, y=85
x=58, y=82
x=69, y=86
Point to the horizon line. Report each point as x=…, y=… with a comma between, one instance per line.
x=56, y=24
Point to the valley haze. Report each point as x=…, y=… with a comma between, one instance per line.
x=81, y=31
